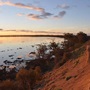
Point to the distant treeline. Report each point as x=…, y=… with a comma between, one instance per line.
x=61, y=36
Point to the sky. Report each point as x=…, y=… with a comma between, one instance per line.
x=45, y=15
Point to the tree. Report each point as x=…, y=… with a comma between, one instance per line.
x=82, y=37
x=68, y=36
x=41, y=51
x=69, y=41
x=53, y=45
x=73, y=41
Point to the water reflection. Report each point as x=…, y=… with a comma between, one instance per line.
x=20, y=48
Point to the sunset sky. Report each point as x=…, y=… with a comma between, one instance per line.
x=45, y=15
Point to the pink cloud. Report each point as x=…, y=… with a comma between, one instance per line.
x=21, y=5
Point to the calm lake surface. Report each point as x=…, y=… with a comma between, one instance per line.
x=12, y=48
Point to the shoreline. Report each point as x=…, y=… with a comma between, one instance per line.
x=61, y=36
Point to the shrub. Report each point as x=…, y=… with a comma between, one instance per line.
x=41, y=51
x=38, y=73
x=23, y=77
x=7, y=85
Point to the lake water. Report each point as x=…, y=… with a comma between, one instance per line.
x=12, y=48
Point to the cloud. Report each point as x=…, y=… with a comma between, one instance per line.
x=43, y=15
x=1, y=29
x=46, y=14
x=63, y=6
x=21, y=5
x=61, y=14
x=34, y=17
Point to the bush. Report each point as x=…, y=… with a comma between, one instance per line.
x=38, y=73
x=8, y=85
x=23, y=77
x=41, y=51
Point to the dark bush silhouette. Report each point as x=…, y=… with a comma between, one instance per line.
x=8, y=85
x=41, y=51
x=72, y=41
x=82, y=37
x=38, y=73
x=27, y=78
x=23, y=78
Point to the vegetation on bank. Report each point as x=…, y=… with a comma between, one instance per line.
x=49, y=56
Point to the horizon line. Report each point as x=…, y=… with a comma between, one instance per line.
x=31, y=35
